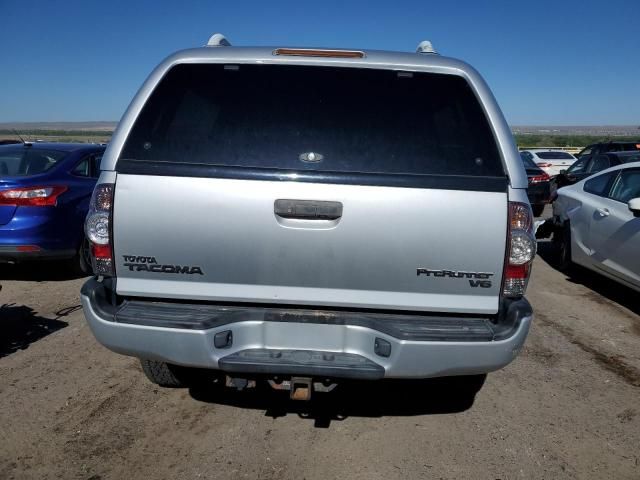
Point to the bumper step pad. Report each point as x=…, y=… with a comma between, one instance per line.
x=427, y=327
x=301, y=362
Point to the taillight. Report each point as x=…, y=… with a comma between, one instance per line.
x=544, y=164
x=521, y=249
x=539, y=178
x=32, y=196
x=97, y=228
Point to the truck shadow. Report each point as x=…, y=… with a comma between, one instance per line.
x=354, y=399
x=599, y=284
x=21, y=327
x=45, y=271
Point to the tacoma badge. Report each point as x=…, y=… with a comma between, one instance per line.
x=150, y=264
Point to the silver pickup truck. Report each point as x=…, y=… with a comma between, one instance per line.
x=306, y=215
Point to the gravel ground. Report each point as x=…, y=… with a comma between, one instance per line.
x=568, y=407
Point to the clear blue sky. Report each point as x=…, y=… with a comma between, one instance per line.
x=557, y=63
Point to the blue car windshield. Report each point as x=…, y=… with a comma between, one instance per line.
x=19, y=161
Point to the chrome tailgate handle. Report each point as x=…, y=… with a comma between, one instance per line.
x=308, y=209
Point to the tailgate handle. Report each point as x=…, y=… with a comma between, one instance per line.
x=308, y=209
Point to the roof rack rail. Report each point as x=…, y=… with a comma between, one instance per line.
x=218, y=40
x=426, y=47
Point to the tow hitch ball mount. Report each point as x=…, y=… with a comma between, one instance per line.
x=300, y=388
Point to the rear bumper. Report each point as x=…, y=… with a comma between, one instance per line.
x=12, y=254
x=51, y=229
x=307, y=342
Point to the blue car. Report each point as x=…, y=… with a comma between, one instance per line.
x=45, y=189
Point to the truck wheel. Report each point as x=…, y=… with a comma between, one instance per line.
x=164, y=374
x=537, y=210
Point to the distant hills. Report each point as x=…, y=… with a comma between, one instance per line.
x=73, y=126
x=593, y=130
x=109, y=126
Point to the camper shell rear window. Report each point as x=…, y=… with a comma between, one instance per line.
x=316, y=120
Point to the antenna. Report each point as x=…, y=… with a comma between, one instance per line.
x=19, y=136
x=218, y=40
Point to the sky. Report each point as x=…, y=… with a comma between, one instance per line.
x=562, y=62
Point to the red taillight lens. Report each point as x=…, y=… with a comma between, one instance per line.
x=28, y=248
x=539, y=178
x=32, y=196
x=97, y=228
x=101, y=251
x=518, y=272
x=521, y=249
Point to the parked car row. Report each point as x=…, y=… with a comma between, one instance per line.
x=45, y=190
x=596, y=224
x=596, y=207
x=563, y=169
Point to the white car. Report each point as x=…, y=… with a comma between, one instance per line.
x=552, y=162
x=597, y=223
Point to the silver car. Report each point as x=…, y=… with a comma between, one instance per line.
x=598, y=224
x=307, y=215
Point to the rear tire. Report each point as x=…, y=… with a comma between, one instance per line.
x=537, y=210
x=80, y=264
x=164, y=374
x=562, y=239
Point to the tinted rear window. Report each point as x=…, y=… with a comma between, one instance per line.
x=623, y=147
x=24, y=161
x=600, y=163
x=528, y=163
x=554, y=155
x=315, y=119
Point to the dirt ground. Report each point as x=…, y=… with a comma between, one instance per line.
x=568, y=407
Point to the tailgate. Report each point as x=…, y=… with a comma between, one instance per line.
x=237, y=248
x=313, y=185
